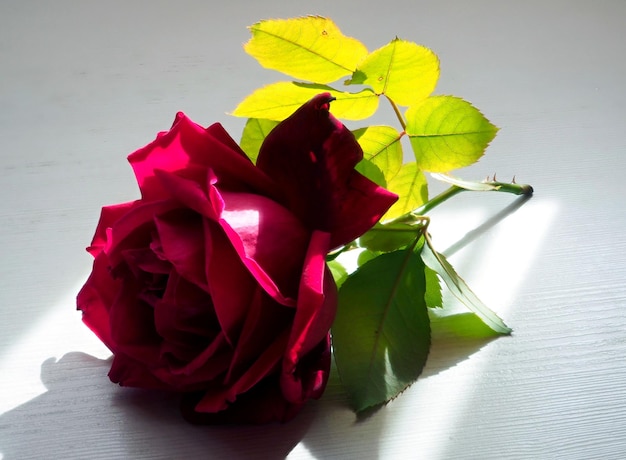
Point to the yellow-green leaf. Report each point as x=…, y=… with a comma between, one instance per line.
x=339, y=272
x=279, y=100
x=404, y=71
x=254, y=133
x=310, y=48
x=371, y=171
x=447, y=133
x=381, y=145
x=411, y=186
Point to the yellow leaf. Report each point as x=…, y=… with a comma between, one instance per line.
x=411, y=186
x=311, y=48
x=404, y=71
x=447, y=133
x=279, y=100
x=254, y=133
x=381, y=145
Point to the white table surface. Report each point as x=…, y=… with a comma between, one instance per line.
x=82, y=84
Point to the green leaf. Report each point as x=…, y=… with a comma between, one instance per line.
x=310, y=48
x=365, y=256
x=381, y=145
x=463, y=325
x=404, y=71
x=381, y=335
x=371, y=171
x=279, y=100
x=433, y=295
x=460, y=289
x=340, y=274
x=411, y=186
x=389, y=237
x=447, y=132
x=254, y=133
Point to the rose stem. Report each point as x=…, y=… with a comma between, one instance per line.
x=516, y=189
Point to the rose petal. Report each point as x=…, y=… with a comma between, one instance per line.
x=215, y=401
x=267, y=234
x=262, y=404
x=187, y=143
x=134, y=229
x=192, y=194
x=230, y=284
x=109, y=215
x=95, y=299
x=132, y=325
x=315, y=312
x=181, y=234
x=264, y=322
x=184, y=318
x=359, y=209
x=312, y=156
x=132, y=373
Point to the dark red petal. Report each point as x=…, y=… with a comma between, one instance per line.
x=265, y=321
x=133, y=229
x=269, y=358
x=357, y=211
x=181, y=234
x=96, y=297
x=132, y=373
x=312, y=156
x=230, y=284
x=132, y=325
x=262, y=404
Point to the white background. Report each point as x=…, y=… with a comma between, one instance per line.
x=82, y=84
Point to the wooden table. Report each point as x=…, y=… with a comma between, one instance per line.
x=82, y=84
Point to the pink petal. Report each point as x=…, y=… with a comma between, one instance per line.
x=315, y=312
x=271, y=241
x=109, y=215
x=191, y=193
x=187, y=144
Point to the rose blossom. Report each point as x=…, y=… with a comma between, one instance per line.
x=214, y=284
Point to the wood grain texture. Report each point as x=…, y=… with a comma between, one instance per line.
x=84, y=83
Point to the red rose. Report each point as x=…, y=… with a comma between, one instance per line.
x=214, y=283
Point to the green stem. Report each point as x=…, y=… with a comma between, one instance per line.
x=516, y=189
x=398, y=114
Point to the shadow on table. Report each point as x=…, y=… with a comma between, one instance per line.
x=83, y=415
x=479, y=231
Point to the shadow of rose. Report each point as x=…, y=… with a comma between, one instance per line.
x=84, y=415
